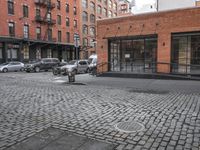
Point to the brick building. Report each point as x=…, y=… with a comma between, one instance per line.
x=91, y=11
x=163, y=42
x=124, y=8
x=34, y=29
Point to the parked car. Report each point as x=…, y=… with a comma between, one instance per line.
x=43, y=64
x=76, y=66
x=92, y=62
x=11, y=66
x=57, y=70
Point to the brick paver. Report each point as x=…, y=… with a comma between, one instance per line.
x=29, y=105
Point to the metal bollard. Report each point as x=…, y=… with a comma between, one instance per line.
x=71, y=77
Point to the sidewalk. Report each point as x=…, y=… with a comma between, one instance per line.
x=56, y=139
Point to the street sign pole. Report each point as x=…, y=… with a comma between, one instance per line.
x=76, y=44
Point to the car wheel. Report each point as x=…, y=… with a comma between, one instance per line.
x=37, y=69
x=87, y=70
x=75, y=71
x=5, y=70
x=22, y=69
x=55, y=72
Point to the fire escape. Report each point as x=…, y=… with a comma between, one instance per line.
x=46, y=19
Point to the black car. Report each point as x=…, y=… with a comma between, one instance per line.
x=43, y=64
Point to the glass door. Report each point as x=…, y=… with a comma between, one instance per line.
x=114, y=56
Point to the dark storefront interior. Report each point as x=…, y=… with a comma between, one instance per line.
x=137, y=55
x=185, y=53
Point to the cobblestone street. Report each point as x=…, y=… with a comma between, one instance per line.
x=169, y=110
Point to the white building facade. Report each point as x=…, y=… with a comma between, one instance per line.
x=174, y=4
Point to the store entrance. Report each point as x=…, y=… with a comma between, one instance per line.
x=185, y=57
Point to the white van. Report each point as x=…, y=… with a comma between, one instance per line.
x=92, y=61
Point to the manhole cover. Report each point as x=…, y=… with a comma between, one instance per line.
x=129, y=127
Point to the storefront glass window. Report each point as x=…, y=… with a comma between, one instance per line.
x=133, y=55
x=185, y=53
x=1, y=56
x=12, y=53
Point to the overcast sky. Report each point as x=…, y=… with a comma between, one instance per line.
x=139, y=3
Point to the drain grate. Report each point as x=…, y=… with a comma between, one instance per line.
x=129, y=127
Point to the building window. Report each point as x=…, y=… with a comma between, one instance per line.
x=85, y=29
x=75, y=11
x=49, y=53
x=75, y=23
x=92, y=44
x=10, y=7
x=85, y=42
x=67, y=22
x=58, y=19
x=185, y=53
x=92, y=31
x=26, y=31
x=48, y=16
x=115, y=6
x=105, y=12
x=50, y=34
x=115, y=14
x=92, y=18
x=25, y=11
x=85, y=4
x=85, y=16
x=68, y=37
x=59, y=36
x=99, y=1
x=11, y=28
x=109, y=14
x=92, y=7
x=38, y=33
x=99, y=9
x=26, y=52
x=37, y=12
x=1, y=55
x=12, y=53
x=109, y=3
x=67, y=8
x=105, y=2
x=58, y=4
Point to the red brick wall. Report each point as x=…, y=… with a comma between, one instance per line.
x=98, y=16
x=20, y=21
x=162, y=24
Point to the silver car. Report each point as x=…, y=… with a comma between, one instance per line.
x=11, y=66
x=76, y=66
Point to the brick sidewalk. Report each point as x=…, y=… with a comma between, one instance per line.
x=171, y=119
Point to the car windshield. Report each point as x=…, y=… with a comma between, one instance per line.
x=72, y=62
x=90, y=60
x=4, y=64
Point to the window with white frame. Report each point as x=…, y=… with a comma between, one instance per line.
x=26, y=31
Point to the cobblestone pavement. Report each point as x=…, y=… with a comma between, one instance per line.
x=30, y=103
